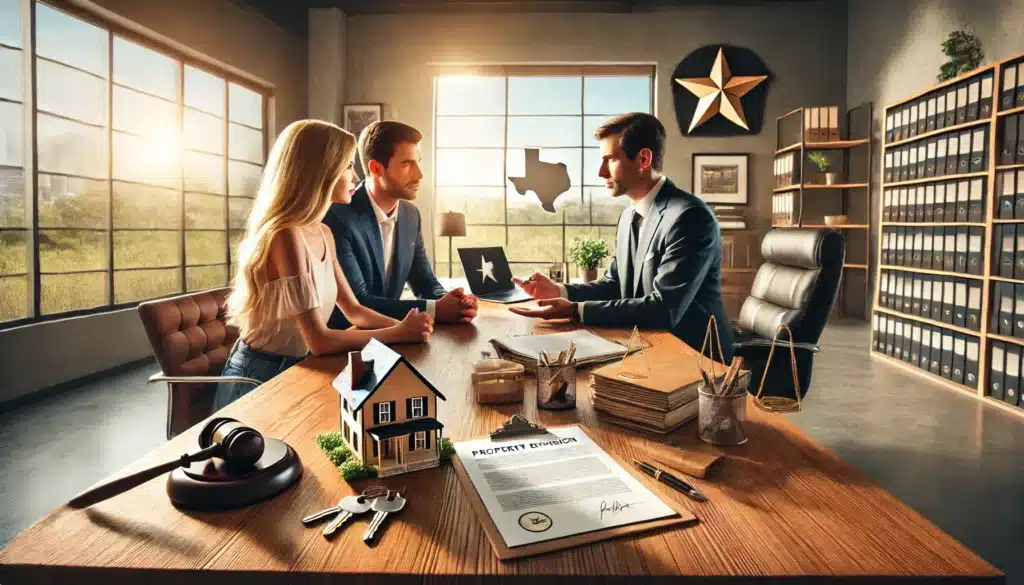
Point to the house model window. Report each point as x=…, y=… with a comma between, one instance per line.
x=398, y=429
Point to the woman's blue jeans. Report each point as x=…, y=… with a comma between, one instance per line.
x=250, y=363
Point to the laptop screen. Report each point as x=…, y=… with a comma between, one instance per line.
x=486, y=269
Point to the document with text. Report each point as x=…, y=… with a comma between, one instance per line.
x=553, y=485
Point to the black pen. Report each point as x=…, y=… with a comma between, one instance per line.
x=666, y=477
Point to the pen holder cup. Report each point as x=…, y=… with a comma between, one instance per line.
x=497, y=381
x=556, y=386
x=720, y=419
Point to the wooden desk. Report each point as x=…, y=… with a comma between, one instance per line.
x=780, y=506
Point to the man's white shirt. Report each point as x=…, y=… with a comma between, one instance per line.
x=387, y=225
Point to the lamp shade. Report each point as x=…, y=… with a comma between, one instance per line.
x=453, y=224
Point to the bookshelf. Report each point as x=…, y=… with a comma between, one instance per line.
x=950, y=264
x=803, y=196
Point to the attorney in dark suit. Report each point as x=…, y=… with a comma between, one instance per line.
x=378, y=237
x=667, y=269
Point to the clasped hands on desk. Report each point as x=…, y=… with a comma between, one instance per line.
x=780, y=506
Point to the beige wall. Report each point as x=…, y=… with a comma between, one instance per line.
x=40, y=356
x=895, y=51
x=803, y=43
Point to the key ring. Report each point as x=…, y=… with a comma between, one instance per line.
x=374, y=491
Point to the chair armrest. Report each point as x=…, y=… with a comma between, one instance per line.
x=781, y=344
x=160, y=377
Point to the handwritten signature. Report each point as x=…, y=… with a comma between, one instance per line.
x=615, y=507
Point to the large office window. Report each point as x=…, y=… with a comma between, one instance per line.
x=146, y=167
x=484, y=124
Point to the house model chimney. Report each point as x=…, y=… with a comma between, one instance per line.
x=357, y=367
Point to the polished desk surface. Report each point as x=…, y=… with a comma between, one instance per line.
x=781, y=506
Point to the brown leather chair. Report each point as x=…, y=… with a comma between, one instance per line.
x=191, y=342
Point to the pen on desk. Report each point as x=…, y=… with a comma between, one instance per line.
x=668, y=478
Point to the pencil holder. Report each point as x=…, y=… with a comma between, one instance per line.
x=556, y=386
x=720, y=419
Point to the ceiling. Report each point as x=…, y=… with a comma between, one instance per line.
x=291, y=14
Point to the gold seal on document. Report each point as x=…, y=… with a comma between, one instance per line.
x=535, y=521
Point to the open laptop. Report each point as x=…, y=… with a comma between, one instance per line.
x=490, y=276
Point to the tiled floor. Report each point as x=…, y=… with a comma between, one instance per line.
x=957, y=461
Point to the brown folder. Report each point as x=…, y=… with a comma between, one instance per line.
x=504, y=553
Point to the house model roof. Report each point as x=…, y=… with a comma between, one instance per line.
x=384, y=361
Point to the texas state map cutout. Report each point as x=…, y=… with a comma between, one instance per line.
x=546, y=180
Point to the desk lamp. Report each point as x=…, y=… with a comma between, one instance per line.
x=453, y=224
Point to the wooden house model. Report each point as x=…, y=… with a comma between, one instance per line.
x=388, y=411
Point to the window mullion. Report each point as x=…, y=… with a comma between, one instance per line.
x=30, y=162
x=110, y=168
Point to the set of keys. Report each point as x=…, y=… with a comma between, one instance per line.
x=377, y=498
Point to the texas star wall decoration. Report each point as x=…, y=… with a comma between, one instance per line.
x=720, y=90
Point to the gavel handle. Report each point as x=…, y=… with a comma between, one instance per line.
x=123, y=484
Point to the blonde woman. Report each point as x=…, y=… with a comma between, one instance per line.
x=288, y=279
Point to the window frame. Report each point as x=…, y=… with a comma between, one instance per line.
x=582, y=71
x=116, y=26
x=419, y=442
x=384, y=408
x=418, y=403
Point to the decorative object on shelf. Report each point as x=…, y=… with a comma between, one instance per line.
x=835, y=220
x=395, y=430
x=634, y=362
x=963, y=48
x=721, y=177
x=820, y=160
x=587, y=254
x=547, y=180
x=706, y=86
x=497, y=381
x=556, y=273
x=729, y=217
x=453, y=225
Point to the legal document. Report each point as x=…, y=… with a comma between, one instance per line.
x=554, y=485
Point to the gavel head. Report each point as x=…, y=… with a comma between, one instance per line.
x=240, y=446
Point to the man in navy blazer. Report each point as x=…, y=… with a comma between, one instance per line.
x=667, y=269
x=378, y=236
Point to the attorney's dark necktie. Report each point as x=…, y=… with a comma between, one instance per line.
x=634, y=243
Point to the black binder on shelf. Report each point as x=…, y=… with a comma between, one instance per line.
x=975, y=255
x=929, y=202
x=948, y=300
x=961, y=102
x=906, y=293
x=996, y=375
x=1008, y=151
x=976, y=201
x=985, y=102
x=951, y=195
x=940, y=111
x=907, y=340
x=1018, y=269
x=960, y=257
x=912, y=166
x=1020, y=138
x=973, y=95
x=919, y=208
x=964, y=164
x=926, y=347
x=960, y=302
x=922, y=159
x=1020, y=84
x=947, y=354
x=962, y=199
x=951, y=105
x=938, y=248
x=1006, y=97
x=935, y=366
x=929, y=161
x=1007, y=194
x=889, y=335
x=1012, y=383
x=1007, y=260
x=941, y=147
x=1018, y=311
x=932, y=103
x=888, y=165
x=974, y=305
x=952, y=153
x=926, y=295
x=940, y=201
x=904, y=163
x=1019, y=197
x=971, y=363
x=897, y=341
x=900, y=250
x=959, y=357
x=1006, y=303
x=917, y=282
x=890, y=121
x=915, y=344
x=918, y=247
x=949, y=257
x=922, y=115
x=979, y=150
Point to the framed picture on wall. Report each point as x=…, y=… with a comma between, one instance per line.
x=721, y=177
x=356, y=117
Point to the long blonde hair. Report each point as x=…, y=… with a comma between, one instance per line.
x=302, y=169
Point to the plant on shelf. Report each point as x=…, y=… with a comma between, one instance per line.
x=964, y=51
x=821, y=161
x=587, y=254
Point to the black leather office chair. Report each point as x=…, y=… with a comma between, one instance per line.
x=796, y=286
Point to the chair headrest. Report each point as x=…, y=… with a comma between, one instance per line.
x=801, y=247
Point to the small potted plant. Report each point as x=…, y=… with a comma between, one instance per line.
x=587, y=254
x=821, y=161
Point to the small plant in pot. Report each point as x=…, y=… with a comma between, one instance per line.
x=588, y=254
x=824, y=165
